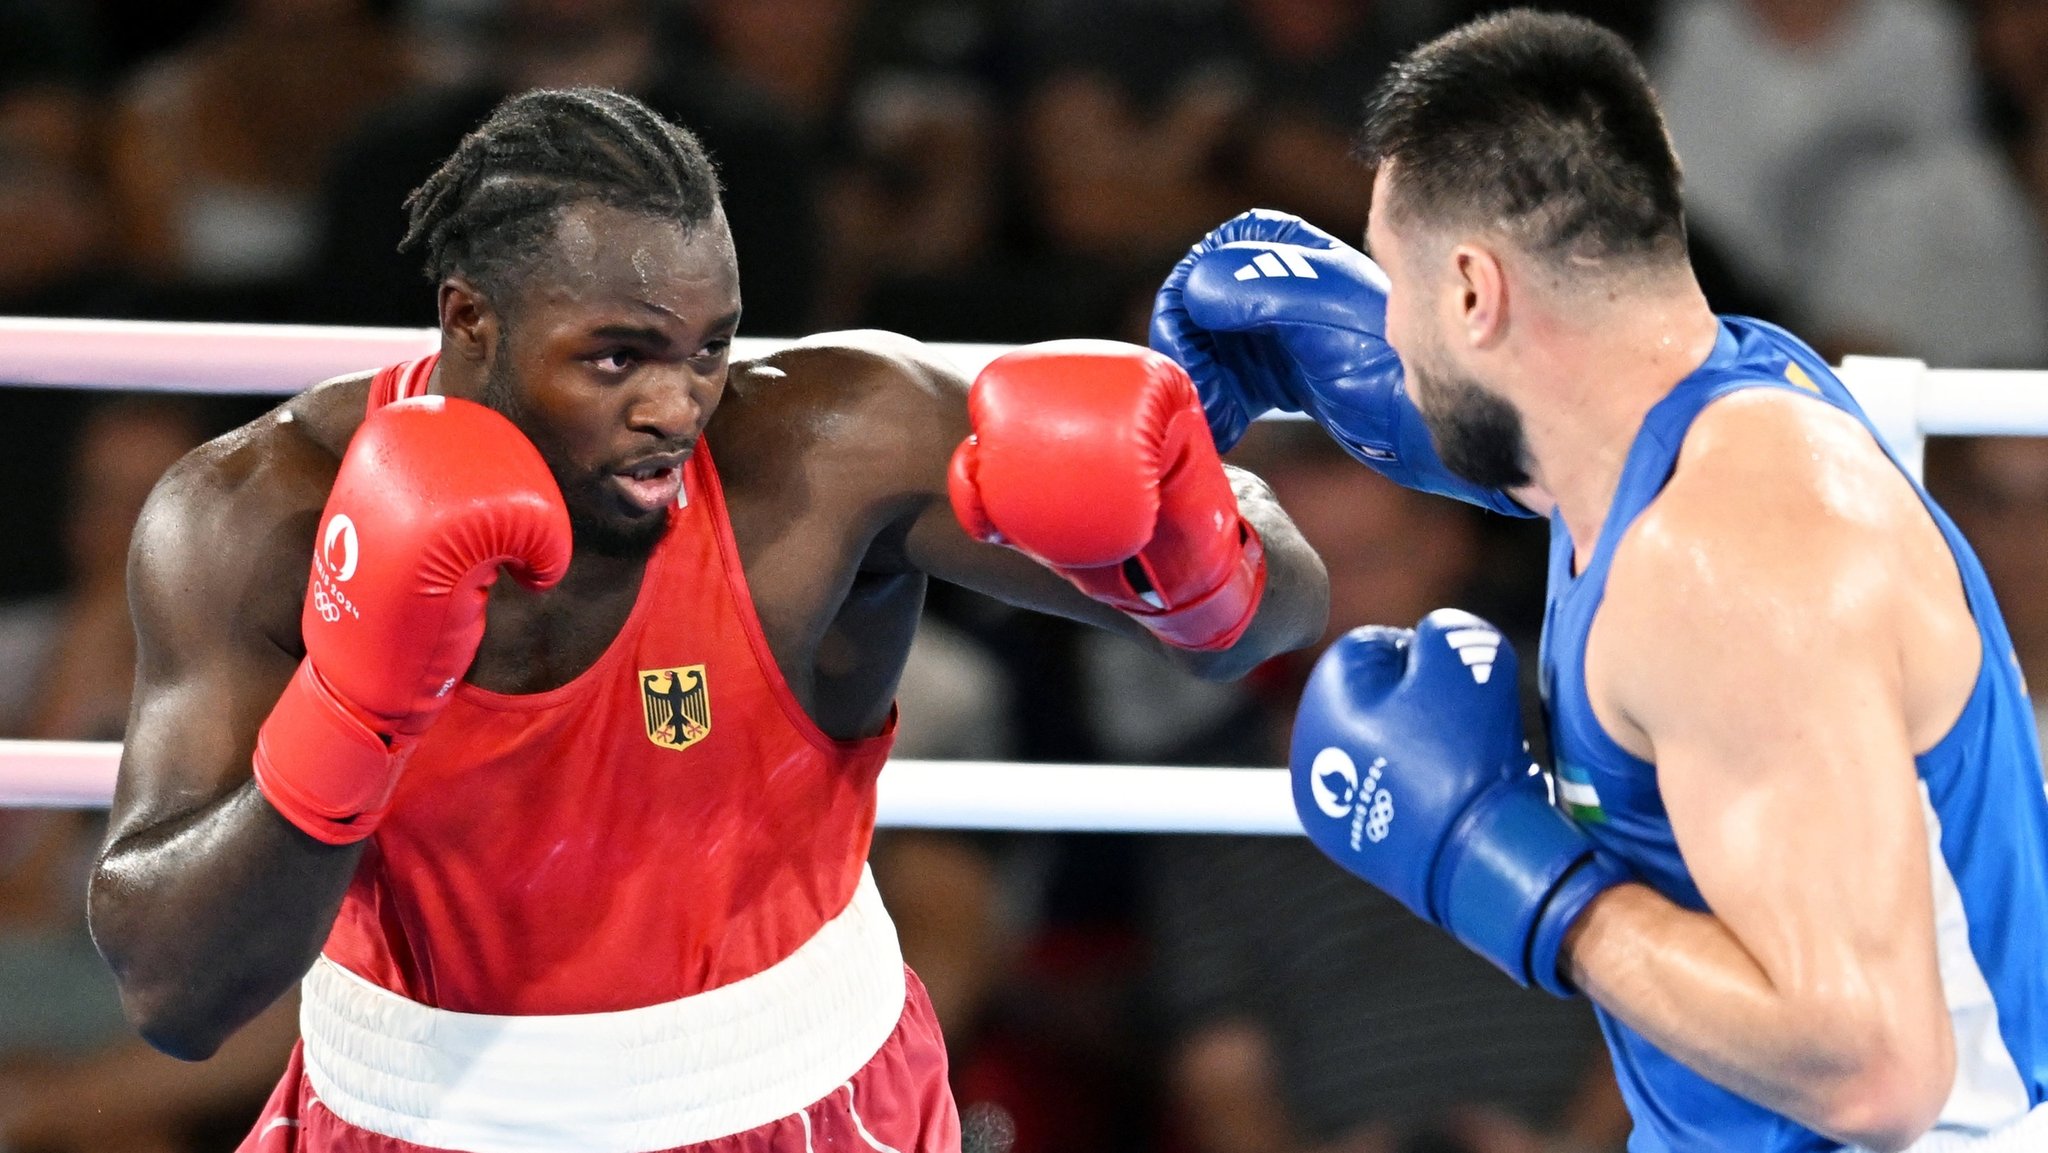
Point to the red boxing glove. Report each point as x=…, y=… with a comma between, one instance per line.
x=1093, y=458
x=434, y=494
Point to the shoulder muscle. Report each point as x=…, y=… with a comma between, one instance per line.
x=216, y=576
x=1786, y=559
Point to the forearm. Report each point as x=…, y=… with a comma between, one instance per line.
x=1687, y=984
x=1295, y=608
x=209, y=917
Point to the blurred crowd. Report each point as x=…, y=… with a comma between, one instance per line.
x=1873, y=173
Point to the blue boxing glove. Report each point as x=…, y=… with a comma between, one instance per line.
x=1270, y=312
x=1410, y=770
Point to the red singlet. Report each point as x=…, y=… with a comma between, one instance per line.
x=666, y=824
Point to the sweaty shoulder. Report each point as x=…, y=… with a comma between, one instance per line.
x=1776, y=479
x=1785, y=529
x=868, y=412
x=229, y=528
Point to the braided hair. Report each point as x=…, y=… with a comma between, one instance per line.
x=488, y=210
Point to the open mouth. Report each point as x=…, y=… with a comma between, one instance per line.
x=652, y=484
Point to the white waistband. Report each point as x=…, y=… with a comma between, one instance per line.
x=2027, y=1134
x=718, y=1063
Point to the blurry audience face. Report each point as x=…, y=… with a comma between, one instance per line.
x=1997, y=490
x=121, y=452
x=2012, y=41
x=52, y=210
x=795, y=50
x=1305, y=29
x=1116, y=181
x=1801, y=23
x=944, y=897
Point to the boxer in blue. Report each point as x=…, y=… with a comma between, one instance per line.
x=1804, y=878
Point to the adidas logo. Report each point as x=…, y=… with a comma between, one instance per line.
x=1477, y=648
x=1278, y=263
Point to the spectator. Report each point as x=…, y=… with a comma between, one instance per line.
x=1128, y=127
x=1309, y=1011
x=73, y=1076
x=359, y=277
x=966, y=909
x=53, y=205
x=1830, y=145
x=2012, y=48
x=218, y=150
x=899, y=100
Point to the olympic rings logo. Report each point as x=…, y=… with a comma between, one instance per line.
x=329, y=602
x=1380, y=817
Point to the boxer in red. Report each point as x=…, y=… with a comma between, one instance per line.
x=575, y=861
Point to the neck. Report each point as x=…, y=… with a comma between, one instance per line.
x=1613, y=362
x=594, y=580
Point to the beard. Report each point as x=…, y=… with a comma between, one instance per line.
x=597, y=521
x=1477, y=433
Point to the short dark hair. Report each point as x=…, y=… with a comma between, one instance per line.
x=486, y=212
x=1539, y=124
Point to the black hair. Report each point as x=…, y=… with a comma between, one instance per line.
x=1540, y=125
x=488, y=210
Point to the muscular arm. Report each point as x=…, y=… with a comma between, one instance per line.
x=1781, y=633
x=205, y=901
x=932, y=421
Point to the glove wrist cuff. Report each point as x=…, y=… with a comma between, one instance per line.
x=1590, y=878
x=1518, y=872
x=320, y=766
x=1216, y=619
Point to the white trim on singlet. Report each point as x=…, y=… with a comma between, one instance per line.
x=711, y=1065
x=2029, y=1134
x=1989, y=1092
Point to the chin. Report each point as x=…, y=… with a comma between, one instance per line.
x=610, y=533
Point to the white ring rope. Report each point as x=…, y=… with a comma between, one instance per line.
x=1907, y=401
x=914, y=794
x=252, y=359
x=279, y=359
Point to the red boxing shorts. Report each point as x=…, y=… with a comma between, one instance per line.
x=825, y=1051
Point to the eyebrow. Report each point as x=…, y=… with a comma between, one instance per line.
x=655, y=334
x=729, y=320
x=638, y=332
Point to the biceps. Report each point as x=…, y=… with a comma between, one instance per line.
x=1807, y=840
x=193, y=728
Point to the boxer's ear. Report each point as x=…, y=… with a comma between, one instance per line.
x=470, y=327
x=1482, y=295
